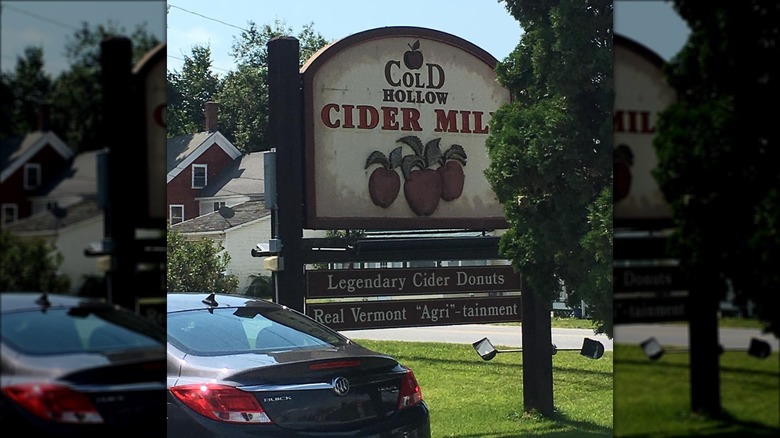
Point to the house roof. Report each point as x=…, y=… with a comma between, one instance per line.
x=47, y=221
x=16, y=151
x=182, y=150
x=241, y=177
x=79, y=179
x=245, y=213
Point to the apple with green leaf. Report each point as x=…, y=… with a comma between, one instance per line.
x=384, y=184
x=451, y=172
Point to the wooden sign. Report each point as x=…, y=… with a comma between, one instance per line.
x=337, y=283
x=415, y=313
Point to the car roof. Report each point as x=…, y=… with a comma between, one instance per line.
x=178, y=301
x=15, y=301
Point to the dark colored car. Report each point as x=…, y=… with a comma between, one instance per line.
x=76, y=367
x=241, y=366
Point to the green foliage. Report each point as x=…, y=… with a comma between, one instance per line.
x=76, y=94
x=469, y=397
x=261, y=286
x=598, y=242
x=30, y=266
x=188, y=91
x=551, y=150
x=653, y=398
x=28, y=85
x=242, y=94
x=717, y=152
x=197, y=266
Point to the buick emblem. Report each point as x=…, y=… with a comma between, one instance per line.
x=340, y=386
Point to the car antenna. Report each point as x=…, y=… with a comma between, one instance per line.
x=210, y=301
x=43, y=301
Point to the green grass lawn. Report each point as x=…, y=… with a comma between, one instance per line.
x=471, y=398
x=652, y=398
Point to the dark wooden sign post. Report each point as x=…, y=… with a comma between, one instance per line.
x=133, y=131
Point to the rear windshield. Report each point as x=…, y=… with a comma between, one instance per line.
x=77, y=330
x=247, y=330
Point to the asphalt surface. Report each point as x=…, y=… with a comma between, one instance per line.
x=677, y=335
x=499, y=335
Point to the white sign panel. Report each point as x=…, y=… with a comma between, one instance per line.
x=641, y=93
x=396, y=122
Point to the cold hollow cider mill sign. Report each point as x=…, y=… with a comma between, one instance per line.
x=396, y=123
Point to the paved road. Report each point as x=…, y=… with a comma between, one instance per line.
x=677, y=335
x=499, y=335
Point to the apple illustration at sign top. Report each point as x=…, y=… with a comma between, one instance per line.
x=384, y=184
x=413, y=59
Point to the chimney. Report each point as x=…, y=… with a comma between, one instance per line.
x=212, y=123
x=44, y=110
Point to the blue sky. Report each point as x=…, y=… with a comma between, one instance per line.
x=51, y=24
x=485, y=23
x=215, y=23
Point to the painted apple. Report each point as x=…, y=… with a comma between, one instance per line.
x=623, y=159
x=621, y=181
x=413, y=59
x=452, y=179
x=422, y=191
x=384, y=184
x=450, y=169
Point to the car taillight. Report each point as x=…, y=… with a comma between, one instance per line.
x=222, y=403
x=410, y=393
x=54, y=403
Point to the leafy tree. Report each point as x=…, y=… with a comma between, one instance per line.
x=261, y=286
x=247, y=119
x=197, y=266
x=75, y=95
x=598, y=242
x=551, y=151
x=242, y=94
x=76, y=98
x=188, y=91
x=718, y=153
x=30, y=265
x=29, y=86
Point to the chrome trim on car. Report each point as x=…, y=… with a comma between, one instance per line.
x=339, y=385
x=301, y=387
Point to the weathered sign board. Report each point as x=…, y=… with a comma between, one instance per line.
x=656, y=308
x=641, y=93
x=646, y=278
x=395, y=287
x=647, y=286
x=396, y=120
x=415, y=313
x=338, y=283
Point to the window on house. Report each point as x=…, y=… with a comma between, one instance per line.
x=176, y=214
x=199, y=176
x=218, y=205
x=9, y=213
x=32, y=176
